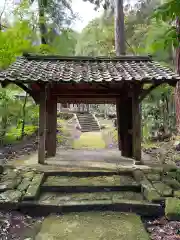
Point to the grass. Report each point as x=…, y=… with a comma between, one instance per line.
x=90, y=140
x=13, y=135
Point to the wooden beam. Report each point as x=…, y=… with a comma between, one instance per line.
x=42, y=125
x=87, y=100
x=51, y=126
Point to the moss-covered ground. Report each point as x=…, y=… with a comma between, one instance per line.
x=93, y=226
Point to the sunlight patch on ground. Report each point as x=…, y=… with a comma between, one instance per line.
x=90, y=140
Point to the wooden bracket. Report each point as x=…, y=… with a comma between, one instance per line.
x=24, y=87
x=145, y=92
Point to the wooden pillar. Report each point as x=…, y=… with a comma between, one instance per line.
x=124, y=126
x=129, y=124
x=42, y=125
x=118, y=101
x=136, y=130
x=51, y=125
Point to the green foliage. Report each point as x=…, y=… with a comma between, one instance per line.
x=168, y=12
x=13, y=42
x=96, y=39
x=11, y=115
x=144, y=35
x=65, y=43
x=14, y=134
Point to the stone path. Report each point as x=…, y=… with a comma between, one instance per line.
x=81, y=226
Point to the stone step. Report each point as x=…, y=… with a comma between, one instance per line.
x=87, y=123
x=90, y=184
x=89, y=129
x=94, y=226
x=141, y=208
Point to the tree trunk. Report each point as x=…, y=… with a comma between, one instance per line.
x=42, y=24
x=177, y=89
x=4, y=121
x=120, y=47
x=23, y=116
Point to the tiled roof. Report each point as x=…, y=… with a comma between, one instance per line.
x=30, y=68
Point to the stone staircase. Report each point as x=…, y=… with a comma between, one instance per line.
x=125, y=190
x=87, y=122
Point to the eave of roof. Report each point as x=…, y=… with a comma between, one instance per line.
x=56, y=69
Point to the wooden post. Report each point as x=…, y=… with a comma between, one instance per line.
x=136, y=130
x=124, y=125
x=118, y=100
x=51, y=126
x=42, y=125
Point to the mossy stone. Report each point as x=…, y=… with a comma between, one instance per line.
x=169, y=167
x=171, y=182
x=139, y=175
x=33, y=189
x=24, y=184
x=178, y=175
x=171, y=175
x=151, y=194
x=177, y=193
x=28, y=175
x=153, y=176
x=10, y=196
x=163, y=189
x=172, y=208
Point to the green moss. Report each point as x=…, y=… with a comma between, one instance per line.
x=163, y=189
x=34, y=186
x=114, y=180
x=139, y=175
x=169, y=167
x=93, y=226
x=127, y=196
x=171, y=175
x=172, y=209
x=61, y=198
x=153, y=176
x=178, y=175
x=149, y=192
x=28, y=175
x=83, y=181
x=177, y=193
x=171, y=182
x=149, y=145
x=24, y=185
x=10, y=196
